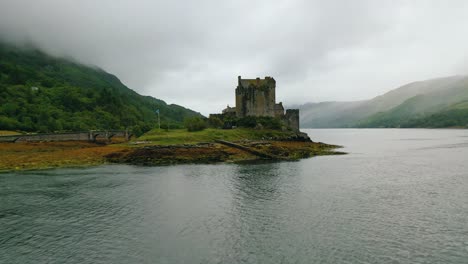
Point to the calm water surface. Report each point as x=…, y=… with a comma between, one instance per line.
x=400, y=196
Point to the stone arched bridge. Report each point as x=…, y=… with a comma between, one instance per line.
x=92, y=136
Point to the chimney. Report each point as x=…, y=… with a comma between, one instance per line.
x=258, y=81
x=238, y=80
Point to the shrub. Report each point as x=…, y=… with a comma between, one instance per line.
x=215, y=122
x=194, y=124
x=248, y=121
x=262, y=121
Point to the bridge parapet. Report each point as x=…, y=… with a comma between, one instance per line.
x=91, y=136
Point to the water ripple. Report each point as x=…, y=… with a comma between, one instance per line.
x=387, y=204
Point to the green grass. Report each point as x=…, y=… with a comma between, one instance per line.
x=182, y=136
x=8, y=132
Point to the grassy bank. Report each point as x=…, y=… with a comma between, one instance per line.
x=162, y=148
x=182, y=136
x=8, y=133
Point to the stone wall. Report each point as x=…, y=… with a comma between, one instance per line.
x=72, y=136
x=255, y=97
x=279, y=110
x=292, y=118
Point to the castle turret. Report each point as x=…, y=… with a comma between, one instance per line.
x=292, y=118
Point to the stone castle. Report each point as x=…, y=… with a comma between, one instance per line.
x=256, y=97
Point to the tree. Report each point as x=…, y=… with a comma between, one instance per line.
x=215, y=122
x=194, y=124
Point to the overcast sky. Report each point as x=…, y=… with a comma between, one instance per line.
x=191, y=52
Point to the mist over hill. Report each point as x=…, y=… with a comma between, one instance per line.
x=431, y=103
x=41, y=93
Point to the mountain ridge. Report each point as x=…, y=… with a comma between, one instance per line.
x=393, y=109
x=43, y=93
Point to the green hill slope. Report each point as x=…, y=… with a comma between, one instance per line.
x=42, y=93
x=455, y=115
x=393, y=109
x=329, y=114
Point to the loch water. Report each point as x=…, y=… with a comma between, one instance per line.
x=398, y=196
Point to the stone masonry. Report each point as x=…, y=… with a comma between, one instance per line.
x=257, y=97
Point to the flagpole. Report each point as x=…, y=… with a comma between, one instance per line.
x=159, y=120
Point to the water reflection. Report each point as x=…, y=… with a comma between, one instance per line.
x=255, y=215
x=256, y=182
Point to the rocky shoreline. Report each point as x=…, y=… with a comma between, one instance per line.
x=219, y=152
x=45, y=155
x=166, y=148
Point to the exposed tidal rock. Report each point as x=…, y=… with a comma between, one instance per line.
x=171, y=154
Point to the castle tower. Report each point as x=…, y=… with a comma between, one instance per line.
x=255, y=97
x=292, y=118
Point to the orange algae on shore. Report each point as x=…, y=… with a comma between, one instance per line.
x=40, y=155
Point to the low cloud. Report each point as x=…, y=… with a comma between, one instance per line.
x=191, y=53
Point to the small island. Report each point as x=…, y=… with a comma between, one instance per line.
x=257, y=128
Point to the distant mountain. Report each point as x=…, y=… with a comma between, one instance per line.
x=42, y=93
x=417, y=104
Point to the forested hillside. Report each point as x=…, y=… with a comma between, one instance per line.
x=432, y=103
x=41, y=93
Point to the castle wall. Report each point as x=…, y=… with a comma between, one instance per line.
x=70, y=136
x=258, y=99
x=279, y=110
x=240, y=103
x=292, y=119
